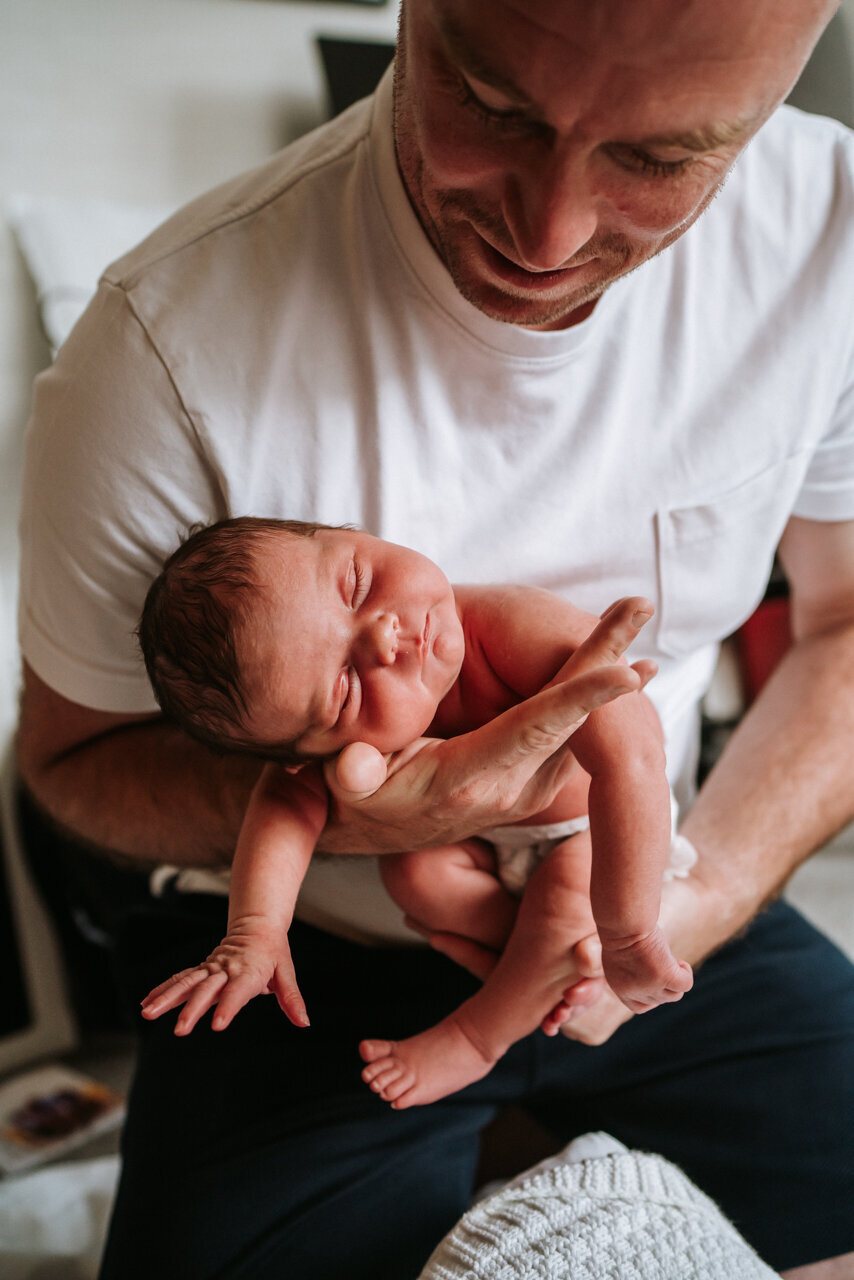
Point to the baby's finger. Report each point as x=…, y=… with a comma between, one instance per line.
x=238, y=992
x=178, y=986
x=205, y=995
x=169, y=1000
x=284, y=987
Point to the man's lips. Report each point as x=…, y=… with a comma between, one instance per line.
x=512, y=273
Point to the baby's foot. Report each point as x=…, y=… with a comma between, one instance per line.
x=586, y=956
x=644, y=972
x=426, y=1067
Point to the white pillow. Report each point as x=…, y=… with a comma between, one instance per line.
x=67, y=243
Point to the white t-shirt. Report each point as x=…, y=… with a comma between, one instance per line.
x=291, y=345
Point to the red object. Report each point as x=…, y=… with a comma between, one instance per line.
x=762, y=642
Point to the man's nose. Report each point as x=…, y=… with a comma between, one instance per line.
x=550, y=211
x=379, y=636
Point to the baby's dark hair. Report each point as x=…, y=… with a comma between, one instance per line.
x=189, y=628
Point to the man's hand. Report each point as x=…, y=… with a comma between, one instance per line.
x=687, y=908
x=510, y=768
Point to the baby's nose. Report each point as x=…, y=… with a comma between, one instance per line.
x=383, y=638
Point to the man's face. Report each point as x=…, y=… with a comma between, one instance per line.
x=549, y=148
x=353, y=639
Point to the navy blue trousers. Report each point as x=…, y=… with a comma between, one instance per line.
x=258, y=1152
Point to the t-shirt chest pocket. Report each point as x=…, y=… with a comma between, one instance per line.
x=714, y=558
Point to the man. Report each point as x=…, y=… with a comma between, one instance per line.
x=433, y=331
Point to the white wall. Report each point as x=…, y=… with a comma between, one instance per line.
x=149, y=99
x=144, y=101
x=827, y=85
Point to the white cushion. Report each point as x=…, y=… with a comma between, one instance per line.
x=67, y=243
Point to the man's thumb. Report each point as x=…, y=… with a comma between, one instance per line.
x=359, y=770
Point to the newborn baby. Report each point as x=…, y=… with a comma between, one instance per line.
x=322, y=648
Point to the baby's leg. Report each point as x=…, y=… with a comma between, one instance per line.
x=452, y=889
x=552, y=945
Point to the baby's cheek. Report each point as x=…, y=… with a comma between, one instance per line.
x=400, y=717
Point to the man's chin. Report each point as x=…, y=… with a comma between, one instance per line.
x=558, y=310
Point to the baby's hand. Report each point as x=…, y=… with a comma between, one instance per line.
x=242, y=966
x=643, y=971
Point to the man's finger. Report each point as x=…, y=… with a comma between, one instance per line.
x=619, y=625
x=533, y=730
x=513, y=764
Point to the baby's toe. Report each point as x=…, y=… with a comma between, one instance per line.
x=403, y=1089
x=385, y=1078
x=374, y=1070
x=370, y=1050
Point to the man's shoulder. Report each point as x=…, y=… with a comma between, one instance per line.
x=794, y=149
x=320, y=160
x=787, y=208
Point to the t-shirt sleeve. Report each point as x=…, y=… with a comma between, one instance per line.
x=824, y=297
x=828, y=489
x=114, y=476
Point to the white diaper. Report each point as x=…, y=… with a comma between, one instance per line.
x=519, y=850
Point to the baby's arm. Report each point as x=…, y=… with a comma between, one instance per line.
x=522, y=635
x=630, y=827
x=284, y=818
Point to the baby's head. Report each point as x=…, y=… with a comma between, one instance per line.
x=291, y=640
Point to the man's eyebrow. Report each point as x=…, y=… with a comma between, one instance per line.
x=705, y=137
x=470, y=59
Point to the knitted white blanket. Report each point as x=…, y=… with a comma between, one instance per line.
x=596, y=1212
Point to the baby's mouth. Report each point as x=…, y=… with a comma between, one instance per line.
x=425, y=639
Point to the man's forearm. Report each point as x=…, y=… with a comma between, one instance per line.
x=148, y=792
x=780, y=790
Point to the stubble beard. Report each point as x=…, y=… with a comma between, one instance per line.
x=497, y=299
